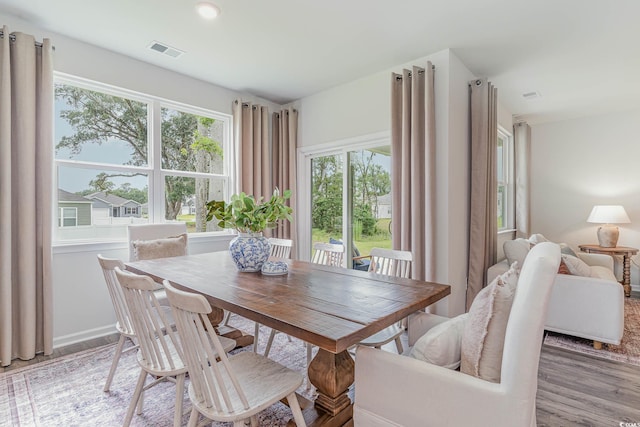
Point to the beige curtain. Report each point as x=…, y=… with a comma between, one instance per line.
x=26, y=111
x=251, y=125
x=522, y=145
x=285, y=131
x=483, y=215
x=413, y=167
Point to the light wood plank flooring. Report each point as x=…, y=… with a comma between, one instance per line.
x=573, y=389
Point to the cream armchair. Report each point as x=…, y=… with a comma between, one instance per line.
x=395, y=390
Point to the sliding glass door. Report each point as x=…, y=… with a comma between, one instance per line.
x=350, y=193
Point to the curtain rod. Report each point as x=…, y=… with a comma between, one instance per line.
x=12, y=38
x=247, y=104
x=421, y=71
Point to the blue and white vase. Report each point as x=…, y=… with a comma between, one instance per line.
x=249, y=251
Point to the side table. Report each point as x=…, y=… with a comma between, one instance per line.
x=626, y=253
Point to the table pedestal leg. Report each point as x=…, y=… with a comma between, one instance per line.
x=332, y=375
x=216, y=316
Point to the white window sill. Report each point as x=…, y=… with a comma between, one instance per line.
x=88, y=246
x=505, y=231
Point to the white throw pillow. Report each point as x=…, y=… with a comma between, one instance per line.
x=441, y=344
x=516, y=250
x=534, y=239
x=576, y=266
x=484, y=331
x=160, y=248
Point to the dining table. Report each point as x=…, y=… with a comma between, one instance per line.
x=329, y=307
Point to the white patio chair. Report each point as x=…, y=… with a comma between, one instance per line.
x=237, y=387
x=160, y=353
x=395, y=263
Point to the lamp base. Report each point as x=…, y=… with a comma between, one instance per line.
x=608, y=236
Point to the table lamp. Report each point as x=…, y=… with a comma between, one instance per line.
x=607, y=215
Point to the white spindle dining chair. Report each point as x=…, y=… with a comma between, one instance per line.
x=160, y=353
x=395, y=263
x=327, y=254
x=124, y=323
x=280, y=248
x=235, y=388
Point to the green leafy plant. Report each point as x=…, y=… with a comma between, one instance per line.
x=248, y=215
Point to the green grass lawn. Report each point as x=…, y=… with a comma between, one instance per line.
x=365, y=243
x=190, y=220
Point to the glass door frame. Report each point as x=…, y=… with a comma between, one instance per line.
x=303, y=217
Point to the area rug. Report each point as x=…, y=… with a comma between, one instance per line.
x=67, y=391
x=629, y=349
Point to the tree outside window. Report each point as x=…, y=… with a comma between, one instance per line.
x=104, y=153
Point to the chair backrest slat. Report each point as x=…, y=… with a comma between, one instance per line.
x=123, y=317
x=390, y=262
x=327, y=254
x=280, y=248
x=159, y=344
x=214, y=383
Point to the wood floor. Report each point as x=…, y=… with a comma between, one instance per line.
x=573, y=389
x=579, y=390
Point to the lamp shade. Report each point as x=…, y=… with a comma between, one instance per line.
x=608, y=214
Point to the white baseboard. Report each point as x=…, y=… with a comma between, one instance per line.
x=84, y=336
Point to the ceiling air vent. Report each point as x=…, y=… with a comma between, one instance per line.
x=165, y=49
x=531, y=95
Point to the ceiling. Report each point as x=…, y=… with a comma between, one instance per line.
x=582, y=56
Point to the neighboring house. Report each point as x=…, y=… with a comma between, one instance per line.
x=109, y=205
x=73, y=209
x=188, y=207
x=382, y=208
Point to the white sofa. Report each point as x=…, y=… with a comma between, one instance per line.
x=586, y=307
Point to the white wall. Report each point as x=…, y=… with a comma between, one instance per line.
x=81, y=305
x=362, y=108
x=579, y=163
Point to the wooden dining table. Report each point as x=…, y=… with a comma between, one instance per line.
x=329, y=307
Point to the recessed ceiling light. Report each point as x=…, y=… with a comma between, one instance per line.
x=207, y=9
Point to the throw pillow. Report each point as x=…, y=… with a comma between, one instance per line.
x=534, y=239
x=566, y=249
x=516, y=250
x=510, y=277
x=160, y=248
x=563, y=269
x=484, y=331
x=441, y=344
x=576, y=266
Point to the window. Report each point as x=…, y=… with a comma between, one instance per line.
x=68, y=217
x=505, y=163
x=136, y=159
x=359, y=198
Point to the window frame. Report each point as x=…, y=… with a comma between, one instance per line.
x=153, y=169
x=61, y=218
x=305, y=156
x=508, y=171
